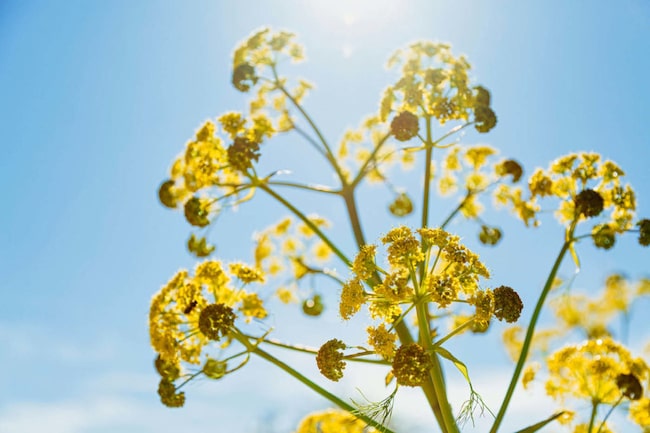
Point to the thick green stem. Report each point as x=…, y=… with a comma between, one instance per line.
x=307, y=221
x=531, y=331
x=350, y=203
x=306, y=381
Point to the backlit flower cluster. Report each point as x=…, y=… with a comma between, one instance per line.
x=586, y=187
x=433, y=84
x=191, y=311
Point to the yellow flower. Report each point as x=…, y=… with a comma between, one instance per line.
x=382, y=341
x=352, y=297
x=333, y=421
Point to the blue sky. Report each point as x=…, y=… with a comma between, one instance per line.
x=99, y=97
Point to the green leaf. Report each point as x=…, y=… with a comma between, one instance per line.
x=459, y=365
x=536, y=427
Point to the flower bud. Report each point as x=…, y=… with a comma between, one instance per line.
x=166, y=194
x=629, y=386
x=196, y=212
x=644, y=232
x=401, y=206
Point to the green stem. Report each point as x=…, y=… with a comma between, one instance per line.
x=311, y=351
x=427, y=175
x=314, y=188
x=531, y=330
x=592, y=418
x=458, y=208
x=448, y=422
x=307, y=221
x=306, y=381
x=351, y=205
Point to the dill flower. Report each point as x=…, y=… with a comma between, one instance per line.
x=411, y=365
x=246, y=273
x=168, y=395
x=330, y=359
x=382, y=341
x=242, y=152
x=507, y=304
x=629, y=386
x=166, y=194
x=199, y=246
x=333, y=421
x=167, y=370
x=243, y=77
x=489, y=235
x=216, y=320
x=352, y=297
x=197, y=211
x=485, y=119
x=510, y=167
x=364, y=262
x=402, y=246
x=589, y=203
x=405, y=126
x=604, y=236
x=401, y=206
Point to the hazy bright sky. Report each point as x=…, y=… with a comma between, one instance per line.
x=97, y=98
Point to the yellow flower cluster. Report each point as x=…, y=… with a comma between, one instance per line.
x=189, y=311
x=333, y=421
x=591, y=371
x=452, y=274
x=585, y=186
x=289, y=251
x=434, y=83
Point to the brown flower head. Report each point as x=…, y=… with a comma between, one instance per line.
x=507, y=304
x=411, y=365
x=330, y=359
x=242, y=152
x=405, y=126
x=243, y=77
x=589, y=203
x=644, y=232
x=630, y=386
x=216, y=320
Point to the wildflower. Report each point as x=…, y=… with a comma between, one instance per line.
x=333, y=421
x=489, y=235
x=216, y=320
x=644, y=232
x=168, y=370
x=405, y=126
x=411, y=365
x=401, y=206
x=330, y=359
x=197, y=211
x=529, y=374
x=485, y=119
x=243, y=77
x=168, y=395
x=630, y=386
x=507, y=304
x=640, y=412
x=242, y=152
x=252, y=306
x=166, y=194
x=352, y=297
x=589, y=203
x=206, y=132
x=603, y=236
x=382, y=341
x=246, y=273
x=199, y=247
x=403, y=246
x=364, y=263
x=510, y=167
x=482, y=97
